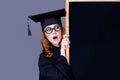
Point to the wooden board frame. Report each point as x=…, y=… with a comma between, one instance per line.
x=67, y=29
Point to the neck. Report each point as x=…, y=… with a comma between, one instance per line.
x=56, y=45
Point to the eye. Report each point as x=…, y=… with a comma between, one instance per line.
x=57, y=27
x=48, y=30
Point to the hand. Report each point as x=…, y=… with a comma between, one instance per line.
x=65, y=44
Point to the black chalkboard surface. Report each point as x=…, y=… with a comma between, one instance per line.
x=95, y=40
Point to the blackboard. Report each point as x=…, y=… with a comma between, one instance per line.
x=95, y=40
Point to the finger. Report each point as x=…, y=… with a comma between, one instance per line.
x=66, y=44
x=67, y=40
x=65, y=36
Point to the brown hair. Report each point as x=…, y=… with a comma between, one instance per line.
x=47, y=46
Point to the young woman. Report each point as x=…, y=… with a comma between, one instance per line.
x=52, y=61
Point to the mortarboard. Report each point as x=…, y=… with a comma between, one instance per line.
x=48, y=18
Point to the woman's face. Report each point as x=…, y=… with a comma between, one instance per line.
x=53, y=34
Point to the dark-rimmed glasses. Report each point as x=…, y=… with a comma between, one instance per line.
x=49, y=30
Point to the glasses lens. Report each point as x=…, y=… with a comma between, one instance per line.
x=48, y=30
x=57, y=28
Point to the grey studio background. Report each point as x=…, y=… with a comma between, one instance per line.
x=18, y=52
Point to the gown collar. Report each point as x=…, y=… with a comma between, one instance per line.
x=56, y=52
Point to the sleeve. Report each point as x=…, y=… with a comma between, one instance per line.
x=65, y=68
x=62, y=60
x=41, y=77
x=41, y=65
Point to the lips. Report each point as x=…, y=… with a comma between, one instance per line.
x=55, y=37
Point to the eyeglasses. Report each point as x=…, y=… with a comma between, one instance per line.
x=49, y=30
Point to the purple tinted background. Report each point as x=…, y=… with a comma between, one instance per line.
x=18, y=52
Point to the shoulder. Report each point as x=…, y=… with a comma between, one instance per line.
x=43, y=60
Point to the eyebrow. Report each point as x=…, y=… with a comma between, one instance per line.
x=52, y=26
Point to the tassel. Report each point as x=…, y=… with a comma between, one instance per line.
x=29, y=31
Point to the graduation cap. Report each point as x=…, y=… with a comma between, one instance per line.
x=48, y=18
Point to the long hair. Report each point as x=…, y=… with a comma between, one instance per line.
x=47, y=46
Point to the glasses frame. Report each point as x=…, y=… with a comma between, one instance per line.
x=54, y=28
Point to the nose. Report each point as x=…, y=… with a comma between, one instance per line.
x=53, y=31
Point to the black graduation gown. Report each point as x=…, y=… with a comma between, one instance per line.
x=55, y=68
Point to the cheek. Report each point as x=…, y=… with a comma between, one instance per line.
x=49, y=37
x=59, y=34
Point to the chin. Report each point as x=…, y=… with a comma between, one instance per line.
x=56, y=43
